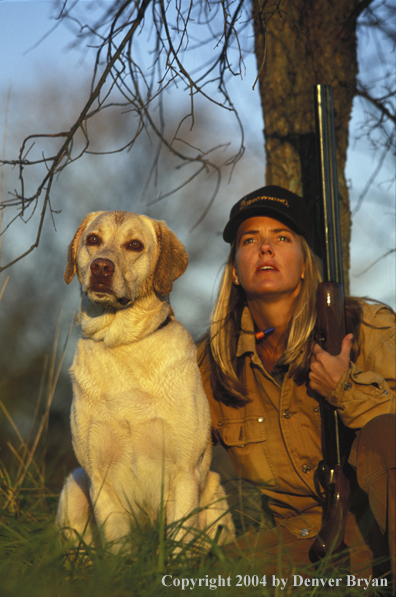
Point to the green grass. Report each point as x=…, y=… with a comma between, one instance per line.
x=34, y=563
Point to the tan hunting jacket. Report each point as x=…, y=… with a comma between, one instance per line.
x=274, y=441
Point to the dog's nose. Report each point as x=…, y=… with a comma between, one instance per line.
x=102, y=268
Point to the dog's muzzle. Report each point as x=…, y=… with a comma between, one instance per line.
x=102, y=271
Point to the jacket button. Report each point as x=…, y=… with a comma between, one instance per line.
x=260, y=419
x=306, y=468
x=287, y=414
x=348, y=385
x=316, y=409
x=304, y=532
x=219, y=424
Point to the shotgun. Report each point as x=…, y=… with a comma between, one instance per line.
x=336, y=438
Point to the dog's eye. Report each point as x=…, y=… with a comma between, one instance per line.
x=92, y=239
x=134, y=245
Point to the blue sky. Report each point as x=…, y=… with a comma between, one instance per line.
x=24, y=23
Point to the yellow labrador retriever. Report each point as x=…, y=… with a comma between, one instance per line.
x=140, y=418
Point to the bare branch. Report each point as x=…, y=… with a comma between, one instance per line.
x=64, y=154
x=172, y=34
x=371, y=180
x=376, y=261
x=381, y=103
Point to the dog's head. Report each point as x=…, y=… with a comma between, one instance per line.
x=120, y=256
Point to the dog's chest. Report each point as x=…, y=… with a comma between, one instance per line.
x=112, y=382
x=129, y=415
x=130, y=389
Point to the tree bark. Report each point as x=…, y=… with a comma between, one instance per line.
x=298, y=44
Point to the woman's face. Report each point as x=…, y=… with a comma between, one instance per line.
x=269, y=259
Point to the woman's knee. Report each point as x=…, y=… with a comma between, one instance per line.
x=376, y=446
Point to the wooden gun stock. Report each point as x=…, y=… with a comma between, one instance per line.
x=330, y=333
x=330, y=538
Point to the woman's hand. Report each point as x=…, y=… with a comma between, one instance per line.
x=326, y=370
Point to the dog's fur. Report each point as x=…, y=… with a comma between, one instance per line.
x=140, y=418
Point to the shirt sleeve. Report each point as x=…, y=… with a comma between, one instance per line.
x=367, y=389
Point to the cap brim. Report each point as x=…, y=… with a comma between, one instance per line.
x=232, y=226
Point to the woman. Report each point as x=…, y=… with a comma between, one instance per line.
x=262, y=371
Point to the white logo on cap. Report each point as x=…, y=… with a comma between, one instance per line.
x=246, y=202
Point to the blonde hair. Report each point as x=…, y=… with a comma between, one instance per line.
x=225, y=329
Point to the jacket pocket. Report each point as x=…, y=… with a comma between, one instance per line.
x=240, y=432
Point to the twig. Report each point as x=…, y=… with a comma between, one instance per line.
x=375, y=262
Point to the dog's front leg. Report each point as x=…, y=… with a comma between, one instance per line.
x=113, y=520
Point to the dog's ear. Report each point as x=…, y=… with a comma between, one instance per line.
x=172, y=259
x=72, y=249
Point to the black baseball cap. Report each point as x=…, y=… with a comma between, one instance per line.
x=272, y=201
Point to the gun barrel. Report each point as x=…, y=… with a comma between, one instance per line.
x=331, y=330
x=323, y=99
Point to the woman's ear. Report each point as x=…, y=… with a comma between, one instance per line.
x=235, y=278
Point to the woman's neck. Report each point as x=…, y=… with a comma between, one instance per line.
x=275, y=315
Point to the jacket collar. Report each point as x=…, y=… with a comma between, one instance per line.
x=246, y=341
x=247, y=345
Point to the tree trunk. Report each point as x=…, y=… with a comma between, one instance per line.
x=299, y=44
